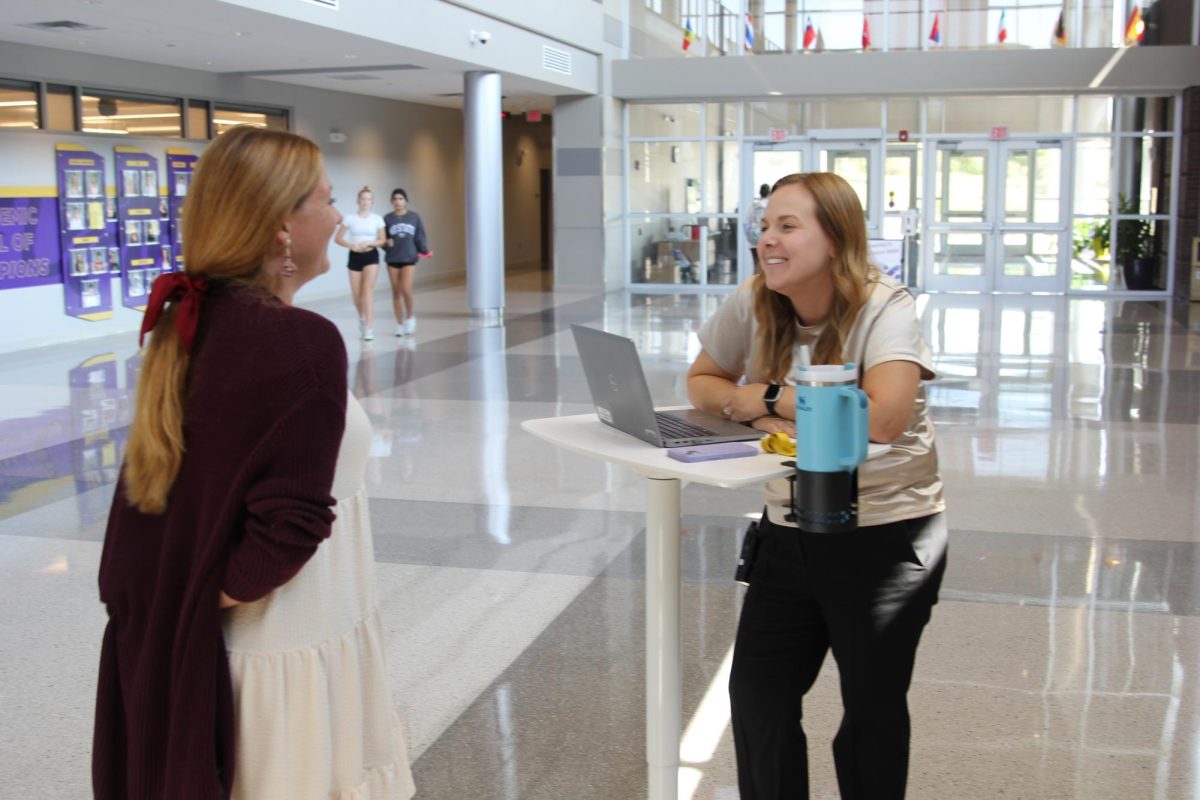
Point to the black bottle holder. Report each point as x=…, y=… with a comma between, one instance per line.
x=823, y=502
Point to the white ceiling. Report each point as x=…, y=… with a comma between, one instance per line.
x=217, y=37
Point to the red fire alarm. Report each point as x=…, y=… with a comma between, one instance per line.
x=904, y=136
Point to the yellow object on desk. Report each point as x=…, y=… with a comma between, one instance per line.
x=779, y=443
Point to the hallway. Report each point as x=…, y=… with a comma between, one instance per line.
x=1061, y=663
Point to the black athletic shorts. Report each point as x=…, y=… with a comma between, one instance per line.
x=359, y=260
x=400, y=264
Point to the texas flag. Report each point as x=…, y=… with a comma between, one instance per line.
x=1002, y=34
x=810, y=34
x=866, y=33
x=935, y=33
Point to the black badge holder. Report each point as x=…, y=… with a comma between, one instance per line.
x=749, y=551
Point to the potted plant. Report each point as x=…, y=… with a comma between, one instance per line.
x=1135, y=248
x=1100, y=237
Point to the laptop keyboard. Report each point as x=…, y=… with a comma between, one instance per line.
x=675, y=428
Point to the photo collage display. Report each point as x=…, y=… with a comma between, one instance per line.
x=143, y=225
x=88, y=261
x=180, y=165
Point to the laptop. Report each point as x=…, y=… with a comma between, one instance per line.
x=622, y=397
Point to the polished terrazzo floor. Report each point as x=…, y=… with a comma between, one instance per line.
x=1062, y=662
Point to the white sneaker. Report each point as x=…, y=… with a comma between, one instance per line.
x=410, y=325
x=400, y=330
x=367, y=334
x=362, y=327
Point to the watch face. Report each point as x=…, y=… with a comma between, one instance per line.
x=772, y=393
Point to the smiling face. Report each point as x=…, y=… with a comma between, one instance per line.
x=310, y=227
x=795, y=253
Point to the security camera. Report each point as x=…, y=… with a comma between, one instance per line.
x=480, y=37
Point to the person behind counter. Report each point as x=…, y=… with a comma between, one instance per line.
x=865, y=595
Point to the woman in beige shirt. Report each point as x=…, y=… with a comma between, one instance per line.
x=866, y=595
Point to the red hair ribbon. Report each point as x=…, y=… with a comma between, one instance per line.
x=175, y=287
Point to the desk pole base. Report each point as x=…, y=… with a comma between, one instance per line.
x=664, y=695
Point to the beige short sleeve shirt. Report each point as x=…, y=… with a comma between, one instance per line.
x=903, y=483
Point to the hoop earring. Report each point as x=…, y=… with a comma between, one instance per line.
x=288, y=269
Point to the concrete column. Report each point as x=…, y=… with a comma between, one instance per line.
x=485, y=196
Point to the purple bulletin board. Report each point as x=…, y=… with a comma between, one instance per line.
x=30, y=251
x=142, y=227
x=87, y=290
x=180, y=166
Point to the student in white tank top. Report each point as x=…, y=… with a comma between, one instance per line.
x=363, y=233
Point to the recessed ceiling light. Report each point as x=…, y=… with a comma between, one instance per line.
x=240, y=33
x=775, y=94
x=350, y=55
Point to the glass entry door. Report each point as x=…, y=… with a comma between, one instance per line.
x=997, y=220
x=1032, y=242
x=859, y=162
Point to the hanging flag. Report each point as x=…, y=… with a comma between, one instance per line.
x=1002, y=34
x=819, y=47
x=935, y=33
x=810, y=35
x=866, y=33
x=1135, y=29
x=749, y=34
x=1060, y=32
x=689, y=35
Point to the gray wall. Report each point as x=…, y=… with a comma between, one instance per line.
x=389, y=144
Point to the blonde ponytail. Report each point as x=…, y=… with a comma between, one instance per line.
x=155, y=450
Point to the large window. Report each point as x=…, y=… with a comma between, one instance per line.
x=683, y=179
x=47, y=106
x=1070, y=190
x=226, y=117
x=18, y=105
x=104, y=112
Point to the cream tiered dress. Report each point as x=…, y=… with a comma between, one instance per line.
x=314, y=716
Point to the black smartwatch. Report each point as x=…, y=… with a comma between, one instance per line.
x=771, y=396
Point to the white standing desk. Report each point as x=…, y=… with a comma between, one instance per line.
x=587, y=435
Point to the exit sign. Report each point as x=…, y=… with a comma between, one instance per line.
x=777, y=134
x=1000, y=132
x=533, y=116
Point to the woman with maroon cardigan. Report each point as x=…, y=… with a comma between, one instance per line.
x=244, y=449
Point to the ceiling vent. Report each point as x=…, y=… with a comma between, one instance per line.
x=353, y=76
x=324, y=3
x=66, y=25
x=556, y=60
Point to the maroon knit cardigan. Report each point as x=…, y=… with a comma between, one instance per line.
x=264, y=414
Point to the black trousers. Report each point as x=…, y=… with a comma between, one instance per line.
x=867, y=596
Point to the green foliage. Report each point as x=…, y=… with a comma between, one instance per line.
x=1135, y=237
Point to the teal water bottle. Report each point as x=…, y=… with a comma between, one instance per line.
x=831, y=442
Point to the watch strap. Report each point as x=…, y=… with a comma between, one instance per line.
x=771, y=396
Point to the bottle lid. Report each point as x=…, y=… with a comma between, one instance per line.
x=824, y=374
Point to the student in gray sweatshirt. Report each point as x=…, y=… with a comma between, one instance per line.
x=405, y=245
